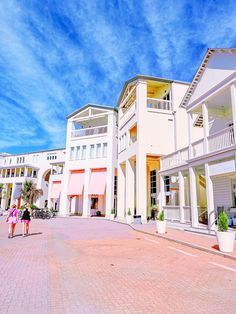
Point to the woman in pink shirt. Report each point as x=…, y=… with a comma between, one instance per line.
x=12, y=220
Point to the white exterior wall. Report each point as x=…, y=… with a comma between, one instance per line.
x=222, y=191
x=36, y=160
x=87, y=164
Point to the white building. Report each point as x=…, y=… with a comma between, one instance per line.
x=89, y=178
x=35, y=166
x=150, y=124
x=203, y=173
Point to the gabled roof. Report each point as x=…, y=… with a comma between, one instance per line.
x=201, y=70
x=88, y=106
x=145, y=77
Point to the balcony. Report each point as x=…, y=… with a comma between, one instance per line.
x=159, y=104
x=89, y=131
x=127, y=114
x=217, y=141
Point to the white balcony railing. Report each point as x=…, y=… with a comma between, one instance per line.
x=172, y=212
x=187, y=213
x=198, y=148
x=154, y=103
x=175, y=159
x=89, y=131
x=125, y=116
x=217, y=141
x=221, y=139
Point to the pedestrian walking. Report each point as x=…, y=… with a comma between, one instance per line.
x=12, y=219
x=25, y=219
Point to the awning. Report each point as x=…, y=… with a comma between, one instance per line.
x=97, y=184
x=17, y=191
x=76, y=183
x=56, y=189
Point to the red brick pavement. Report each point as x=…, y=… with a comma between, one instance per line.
x=203, y=240
x=91, y=266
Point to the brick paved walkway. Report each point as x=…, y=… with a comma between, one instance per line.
x=202, y=240
x=72, y=265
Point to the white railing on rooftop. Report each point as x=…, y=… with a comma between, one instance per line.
x=221, y=139
x=154, y=103
x=89, y=131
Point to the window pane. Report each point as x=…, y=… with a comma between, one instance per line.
x=91, y=151
x=98, y=153
x=105, y=150
x=83, y=152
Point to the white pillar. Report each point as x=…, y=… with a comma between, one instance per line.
x=141, y=185
x=121, y=192
x=86, y=202
x=181, y=197
x=193, y=196
x=12, y=194
x=163, y=197
x=111, y=161
x=190, y=139
x=4, y=195
x=233, y=103
x=205, y=127
x=130, y=186
x=73, y=205
x=210, y=199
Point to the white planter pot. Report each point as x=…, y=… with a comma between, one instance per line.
x=161, y=226
x=226, y=241
x=128, y=219
x=112, y=216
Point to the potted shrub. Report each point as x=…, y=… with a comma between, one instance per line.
x=225, y=238
x=128, y=217
x=112, y=215
x=161, y=223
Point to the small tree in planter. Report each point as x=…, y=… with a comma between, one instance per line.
x=112, y=215
x=128, y=217
x=161, y=223
x=225, y=238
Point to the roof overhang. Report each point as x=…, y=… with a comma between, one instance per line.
x=200, y=71
x=146, y=78
x=90, y=106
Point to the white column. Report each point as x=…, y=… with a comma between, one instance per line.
x=193, y=196
x=73, y=205
x=233, y=103
x=141, y=186
x=4, y=195
x=190, y=139
x=50, y=201
x=12, y=194
x=26, y=172
x=121, y=192
x=111, y=161
x=163, y=197
x=86, y=202
x=181, y=196
x=205, y=127
x=210, y=199
x=129, y=186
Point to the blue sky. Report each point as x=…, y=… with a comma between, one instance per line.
x=56, y=56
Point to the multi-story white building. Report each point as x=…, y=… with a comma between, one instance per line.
x=201, y=177
x=150, y=124
x=89, y=177
x=35, y=166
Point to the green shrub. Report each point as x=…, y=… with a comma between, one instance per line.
x=112, y=211
x=129, y=212
x=223, y=222
x=161, y=216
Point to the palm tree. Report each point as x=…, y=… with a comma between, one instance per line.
x=29, y=192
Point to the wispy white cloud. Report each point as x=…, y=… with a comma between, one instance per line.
x=58, y=55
